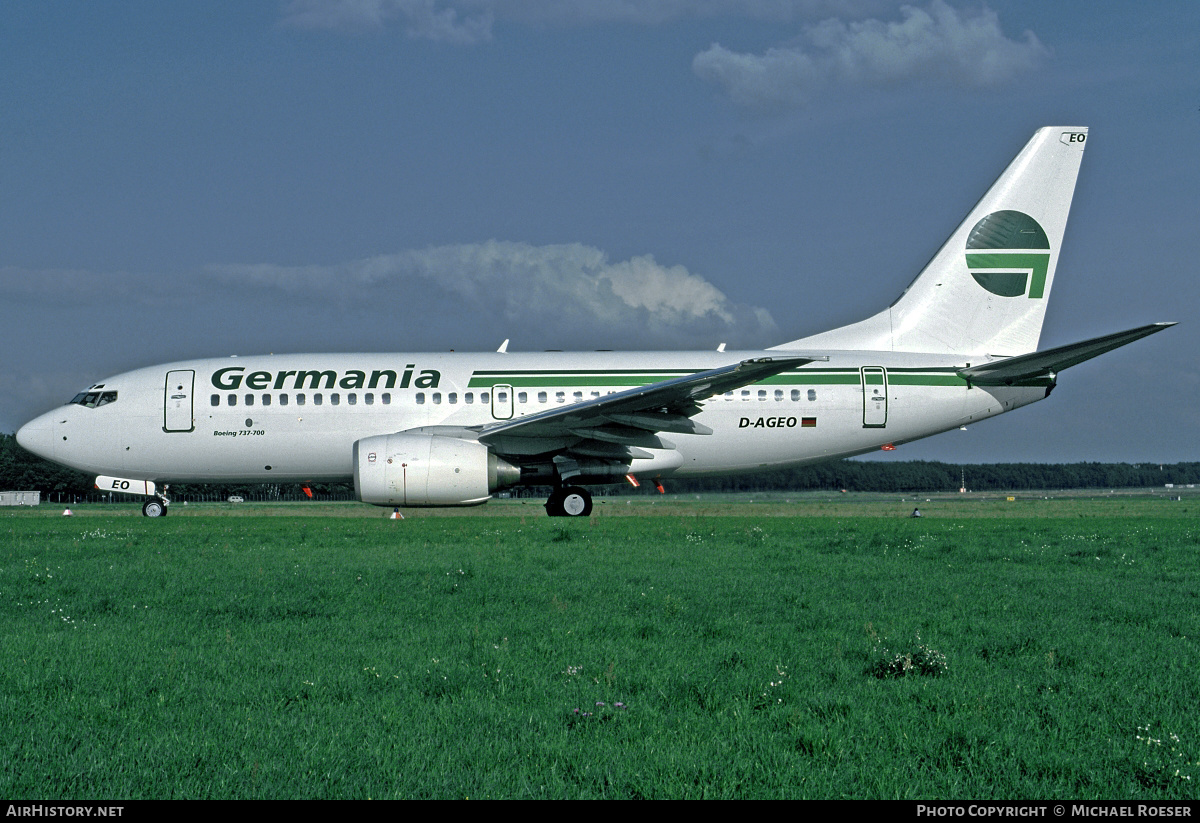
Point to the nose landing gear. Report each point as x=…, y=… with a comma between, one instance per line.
x=157, y=505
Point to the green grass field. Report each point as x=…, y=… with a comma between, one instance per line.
x=664, y=648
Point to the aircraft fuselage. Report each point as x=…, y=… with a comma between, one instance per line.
x=295, y=418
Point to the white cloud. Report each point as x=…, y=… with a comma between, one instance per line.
x=562, y=291
x=937, y=43
x=654, y=12
x=560, y=296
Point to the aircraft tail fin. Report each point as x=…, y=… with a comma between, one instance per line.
x=986, y=289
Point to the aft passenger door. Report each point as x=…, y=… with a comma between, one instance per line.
x=874, y=389
x=177, y=401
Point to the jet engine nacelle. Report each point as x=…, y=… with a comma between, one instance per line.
x=409, y=469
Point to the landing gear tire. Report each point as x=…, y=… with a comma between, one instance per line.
x=571, y=501
x=154, y=508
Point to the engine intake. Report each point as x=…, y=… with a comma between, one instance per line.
x=409, y=469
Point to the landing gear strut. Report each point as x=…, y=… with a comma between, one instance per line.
x=569, y=501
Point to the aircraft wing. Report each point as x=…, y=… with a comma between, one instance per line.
x=619, y=426
x=1046, y=364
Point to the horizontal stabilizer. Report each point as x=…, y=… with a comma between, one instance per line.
x=1046, y=364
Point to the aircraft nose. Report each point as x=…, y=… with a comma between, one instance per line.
x=37, y=436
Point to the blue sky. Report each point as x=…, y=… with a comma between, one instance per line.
x=194, y=179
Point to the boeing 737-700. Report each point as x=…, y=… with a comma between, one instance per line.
x=959, y=345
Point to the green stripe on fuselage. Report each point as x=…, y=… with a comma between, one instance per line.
x=535, y=380
x=839, y=377
x=925, y=379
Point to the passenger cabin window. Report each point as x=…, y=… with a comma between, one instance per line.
x=233, y=399
x=283, y=399
x=249, y=400
x=369, y=399
x=318, y=399
x=387, y=398
x=266, y=399
x=352, y=398
x=215, y=400
x=335, y=399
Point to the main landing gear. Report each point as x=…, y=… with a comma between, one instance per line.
x=569, y=501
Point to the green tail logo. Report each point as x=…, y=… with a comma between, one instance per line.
x=1013, y=255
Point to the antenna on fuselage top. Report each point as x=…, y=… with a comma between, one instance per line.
x=503, y=347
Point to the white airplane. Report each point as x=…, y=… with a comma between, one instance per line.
x=959, y=345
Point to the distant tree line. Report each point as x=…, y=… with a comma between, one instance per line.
x=928, y=476
x=20, y=470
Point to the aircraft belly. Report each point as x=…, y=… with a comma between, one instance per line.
x=226, y=449
x=276, y=450
x=984, y=402
x=764, y=434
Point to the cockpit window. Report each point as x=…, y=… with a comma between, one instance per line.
x=94, y=399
